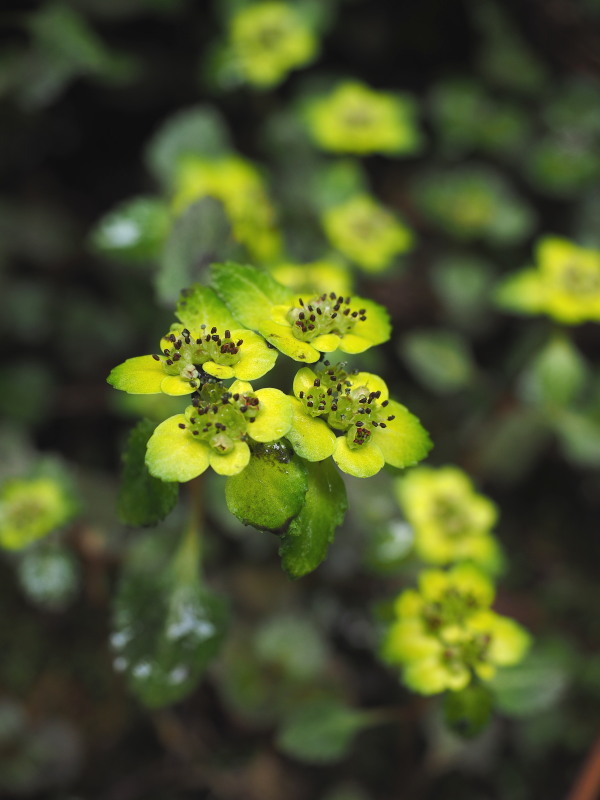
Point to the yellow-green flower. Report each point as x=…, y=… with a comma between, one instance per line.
x=31, y=508
x=366, y=232
x=445, y=634
x=356, y=119
x=301, y=327
x=325, y=275
x=349, y=416
x=215, y=431
x=240, y=187
x=565, y=284
x=450, y=520
x=268, y=40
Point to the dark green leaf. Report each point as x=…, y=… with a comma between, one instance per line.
x=200, y=305
x=167, y=627
x=270, y=492
x=133, y=231
x=199, y=235
x=196, y=131
x=305, y=543
x=143, y=499
x=468, y=712
x=320, y=732
x=440, y=359
x=556, y=375
x=532, y=686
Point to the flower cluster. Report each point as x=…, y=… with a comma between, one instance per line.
x=366, y=232
x=450, y=520
x=234, y=331
x=356, y=119
x=565, y=284
x=236, y=183
x=445, y=635
x=31, y=508
x=267, y=40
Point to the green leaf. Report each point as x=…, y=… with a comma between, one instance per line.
x=199, y=235
x=270, y=491
x=197, y=131
x=468, y=712
x=305, y=543
x=143, y=499
x=533, y=685
x=200, y=305
x=440, y=359
x=133, y=231
x=556, y=376
x=249, y=293
x=320, y=732
x=579, y=435
x=167, y=627
x=49, y=576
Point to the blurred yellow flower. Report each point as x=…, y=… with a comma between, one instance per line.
x=238, y=184
x=450, y=520
x=357, y=119
x=327, y=274
x=445, y=635
x=31, y=508
x=268, y=40
x=366, y=232
x=565, y=285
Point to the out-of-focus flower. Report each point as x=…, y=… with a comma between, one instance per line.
x=268, y=40
x=239, y=186
x=350, y=416
x=214, y=431
x=445, y=635
x=366, y=232
x=31, y=508
x=324, y=275
x=565, y=284
x=450, y=520
x=356, y=119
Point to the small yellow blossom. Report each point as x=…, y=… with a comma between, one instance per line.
x=325, y=275
x=357, y=119
x=565, y=284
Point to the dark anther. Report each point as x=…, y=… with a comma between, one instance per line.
x=198, y=341
x=362, y=311
x=236, y=397
x=334, y=407
x=332, y=295
x=319, y=311
x=375, y=424
x=301, y=395
x=155, y=357
x=317, y=382
x=215, y=338
x=310, y=404
x=391, y=417
x=312, y=318
x=169, y=362
x=346, y=312
x=182, y=426
x=178, y=344
x=363, y=318
x=301, y=315
x=301, y=302
x=243, y=409
x=382, y=425
x=334, y=315
x=385, y=403
x=354, y=314
x=167, y=352
x=176, y=356
x=228, y=334
x=213, y=329
x=171, y=337
x=347, y=301
x=240, y=343
x=359, y=423
x=252, y=420
x=195, y=433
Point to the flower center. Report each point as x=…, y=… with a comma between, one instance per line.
x=450, y=515
x=328, y=313
x=184, y=353
x=577, y=280
x=348, y=408
x=451, y=608
x=220, y=418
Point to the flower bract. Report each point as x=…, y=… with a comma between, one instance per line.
x=565, y=285
x=445, y=635
x=450, y=520
x=301, y=327
x=350, y=417
x=216, y=429
x=366, y=232
x=356, y=119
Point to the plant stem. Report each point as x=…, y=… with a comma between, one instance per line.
x=189, y=553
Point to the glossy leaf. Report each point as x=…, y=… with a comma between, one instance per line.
x=305, y=543
x=270, y=491
x=143, y=499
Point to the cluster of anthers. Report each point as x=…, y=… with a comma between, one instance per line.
x=220, y=418
x=185, y=352
x=329, y=313
x=348, y=405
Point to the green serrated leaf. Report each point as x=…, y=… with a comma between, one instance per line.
x=167, y=627
x=320, y=732
x=143, y=499
x=556, y=375
x=133, y=231
x=270, y=491
x=249, y=293
x=306, y=541
x=468, y=712
x=200, y=305
x=532, y=686
x=197, y=131
x=199, y=235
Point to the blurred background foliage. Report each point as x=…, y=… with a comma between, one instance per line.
x=492, y=141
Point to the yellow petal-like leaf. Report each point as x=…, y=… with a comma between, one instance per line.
x=173, y=455
x=311, y=438
x=363, y=462
x=139, y=375
x=230, y=463
x=274, y=416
